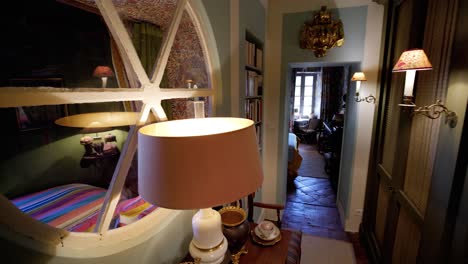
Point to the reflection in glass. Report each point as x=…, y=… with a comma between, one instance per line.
x=54, y=44
x=60, y=174
x=182, y=108
x=186, y=65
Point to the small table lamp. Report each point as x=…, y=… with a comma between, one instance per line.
x=103, y=72
x=95, y=123
x=199, y=163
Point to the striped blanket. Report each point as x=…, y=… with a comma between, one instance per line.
x=74, y=207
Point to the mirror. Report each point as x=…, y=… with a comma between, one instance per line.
x=54, y=44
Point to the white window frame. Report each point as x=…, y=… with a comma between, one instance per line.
x=302, y=75
x=49, y=240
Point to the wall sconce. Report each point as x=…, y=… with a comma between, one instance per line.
x=416, y=60
x=322, y=33
x=359, y=77
x=103, y=72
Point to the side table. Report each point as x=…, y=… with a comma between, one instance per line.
x=287, y=250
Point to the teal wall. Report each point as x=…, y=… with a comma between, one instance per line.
x=347, y=150
x=354, y=25
x=219, y=16
x=251, y=18
x=350, y=53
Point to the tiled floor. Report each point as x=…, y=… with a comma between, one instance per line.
x=311, y=208
x=311, y=203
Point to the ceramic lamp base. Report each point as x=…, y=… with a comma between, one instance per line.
x=209, y=256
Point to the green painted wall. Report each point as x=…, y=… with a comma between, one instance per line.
x=351, y=53
x=219, y=15
x=49, y=165
x=347, y=151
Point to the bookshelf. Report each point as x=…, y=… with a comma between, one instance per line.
x=253, y=99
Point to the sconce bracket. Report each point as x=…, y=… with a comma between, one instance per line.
x=434, y=111
x=367, y=99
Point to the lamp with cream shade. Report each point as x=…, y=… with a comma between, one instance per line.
x=198, y=164
x=413, y=60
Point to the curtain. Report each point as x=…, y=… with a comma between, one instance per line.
x=332, y=92
x=147, y=39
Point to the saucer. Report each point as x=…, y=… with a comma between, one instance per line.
x=262, y=242
x=272, y=236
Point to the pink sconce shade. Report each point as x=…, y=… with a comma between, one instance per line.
x=413, y=59
x=198, y=163
x=358, y=76
x=103, y=71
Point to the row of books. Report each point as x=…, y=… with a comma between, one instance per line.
x=258, y=130
x=253, y=110
x=254, y=55
x=254, y=83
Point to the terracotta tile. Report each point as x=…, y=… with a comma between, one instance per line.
x=311, y=203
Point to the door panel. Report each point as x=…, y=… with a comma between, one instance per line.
x=392, y=119
x=407, y=240
x=406, y=145
x=381, y=214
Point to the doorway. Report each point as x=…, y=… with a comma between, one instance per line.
x=317, y=104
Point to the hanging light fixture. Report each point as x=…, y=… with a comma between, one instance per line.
x=322, y=33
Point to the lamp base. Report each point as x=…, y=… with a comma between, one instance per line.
x=214, y=255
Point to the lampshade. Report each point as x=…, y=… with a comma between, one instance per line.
x=103, y=71
x=413, y=59
x=98, y=120
x=198, y=163
x=358, y=76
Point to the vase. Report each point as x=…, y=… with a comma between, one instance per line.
x=235, y=227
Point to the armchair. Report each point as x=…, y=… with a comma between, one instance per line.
x=309, y=133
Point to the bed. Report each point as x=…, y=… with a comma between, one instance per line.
x=75, y=207
x=294, y=158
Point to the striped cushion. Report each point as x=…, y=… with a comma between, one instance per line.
x=65, y=207
x=134, y=209
x=76, y=207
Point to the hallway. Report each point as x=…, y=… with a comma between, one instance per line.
x=311, y=203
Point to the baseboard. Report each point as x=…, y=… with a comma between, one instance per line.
x=369, y=242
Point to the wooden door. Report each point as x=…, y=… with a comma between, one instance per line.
x=405, y=146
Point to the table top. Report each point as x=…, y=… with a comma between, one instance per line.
x=267, y=254
x=258, y=254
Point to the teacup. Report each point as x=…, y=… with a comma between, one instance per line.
x=266, y=228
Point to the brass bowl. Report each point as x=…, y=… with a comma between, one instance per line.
x=235, y=228
x=232, y=216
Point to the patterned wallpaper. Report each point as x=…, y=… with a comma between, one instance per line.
x=186, y=59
